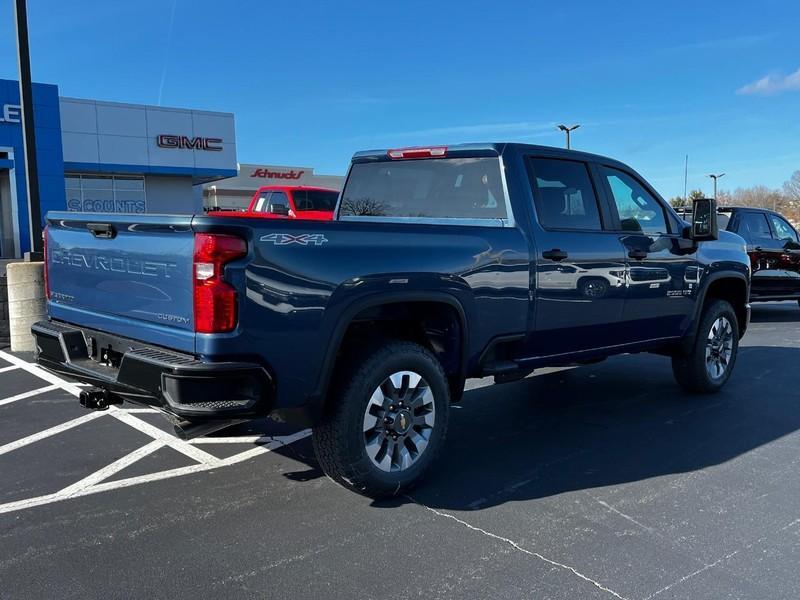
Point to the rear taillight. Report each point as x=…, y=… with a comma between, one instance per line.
x=214, y=298
x=409, y=153
x=46, y=274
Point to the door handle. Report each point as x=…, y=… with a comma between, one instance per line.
x=554, y=254
x=637, y=254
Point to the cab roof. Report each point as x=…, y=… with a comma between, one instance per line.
x=495, y=149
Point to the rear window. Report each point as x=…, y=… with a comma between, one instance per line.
x=306, y=200
x=435, y=188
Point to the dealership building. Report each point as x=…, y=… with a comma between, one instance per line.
x=99, y=156
x=108, y=157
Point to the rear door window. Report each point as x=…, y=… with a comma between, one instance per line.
x=754, y=228
x=441, y=188
x=278, y=198
x=564, y=195
x=308, y=200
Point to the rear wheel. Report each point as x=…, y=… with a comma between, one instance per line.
x=709, y=364
x=387, y=420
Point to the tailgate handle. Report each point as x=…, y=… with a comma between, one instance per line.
x=102, y=230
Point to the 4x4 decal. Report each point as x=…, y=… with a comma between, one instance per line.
x=304, y=239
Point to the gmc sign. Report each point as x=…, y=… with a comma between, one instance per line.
x=182, y=142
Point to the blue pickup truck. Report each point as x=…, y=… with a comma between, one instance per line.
x=442, y=263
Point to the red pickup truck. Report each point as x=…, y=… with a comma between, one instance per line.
x=290, y=202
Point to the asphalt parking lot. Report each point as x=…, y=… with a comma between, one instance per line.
x=603, y=481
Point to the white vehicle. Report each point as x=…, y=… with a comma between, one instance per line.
x=591, y=280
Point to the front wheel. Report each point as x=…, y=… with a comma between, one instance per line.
x=386, y=422
x=709, y=364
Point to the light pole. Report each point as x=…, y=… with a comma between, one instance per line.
x=715, y=177
x=567, y=130
x=28, y=129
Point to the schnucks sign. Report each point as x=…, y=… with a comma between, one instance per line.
x=268, y=174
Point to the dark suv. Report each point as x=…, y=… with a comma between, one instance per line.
x=774, y=249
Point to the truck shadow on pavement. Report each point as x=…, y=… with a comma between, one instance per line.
x=617, y=422
x=622, y=421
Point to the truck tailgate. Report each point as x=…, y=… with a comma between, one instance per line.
x=117, y=273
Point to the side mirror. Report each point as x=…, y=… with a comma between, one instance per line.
x=704, y=220
x=279, y=209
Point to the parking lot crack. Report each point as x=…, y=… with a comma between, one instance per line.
x=702, y=569
x=624, y=516
x=516, y=546
x=719, y=561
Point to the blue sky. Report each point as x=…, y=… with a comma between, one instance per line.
x=312, y=82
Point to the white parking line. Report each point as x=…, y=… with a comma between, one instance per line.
x=75, y=491
x=154, y=432
x=16, y=445
x=24, y=395
x=96, y=482
x=114, y=467
x=41, y=373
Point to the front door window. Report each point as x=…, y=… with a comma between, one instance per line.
x=638, y=210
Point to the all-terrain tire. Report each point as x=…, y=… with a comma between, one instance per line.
x=691, y=369
x=340, y=441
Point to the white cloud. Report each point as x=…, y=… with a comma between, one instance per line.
x=772, y=84
x=518, y=128
x=730, y=43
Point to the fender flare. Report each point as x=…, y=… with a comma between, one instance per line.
x=317, y=398
x=691, y=332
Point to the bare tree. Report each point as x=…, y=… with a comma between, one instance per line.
x=759, y=196
x=363, y=207
x=678, y=202
x=724, y=198
x=792, y=187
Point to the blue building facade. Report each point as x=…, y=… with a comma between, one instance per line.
x=50, y=160
x=103, y=156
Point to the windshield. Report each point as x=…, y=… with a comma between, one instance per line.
x=437, y=188
x=322, y=200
